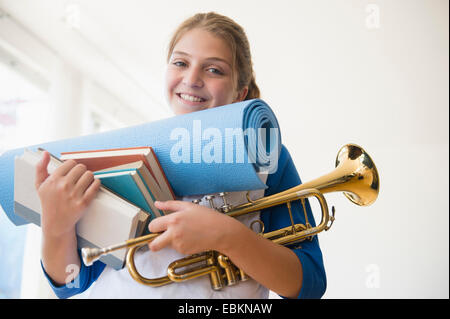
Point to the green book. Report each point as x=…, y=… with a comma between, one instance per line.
x=129, y=184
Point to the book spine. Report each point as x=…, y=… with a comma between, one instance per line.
x=151, y=201
x=167, y=186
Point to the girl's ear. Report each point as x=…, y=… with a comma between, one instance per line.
x=242, y=94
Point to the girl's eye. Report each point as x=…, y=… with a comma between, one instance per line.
x=215, y=71
x=179, y=63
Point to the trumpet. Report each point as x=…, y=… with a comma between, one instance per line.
x=355, y=175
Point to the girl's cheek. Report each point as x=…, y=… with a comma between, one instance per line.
x=223, y=93
x=172, y=78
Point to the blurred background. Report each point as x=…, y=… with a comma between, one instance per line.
x=374, y=73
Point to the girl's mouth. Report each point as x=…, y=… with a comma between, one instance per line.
x=190, y=98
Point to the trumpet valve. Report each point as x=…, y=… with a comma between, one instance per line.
x=225, y=208
x=216, y=278
x=243, y=276
x=210, y=198
x=230, y=269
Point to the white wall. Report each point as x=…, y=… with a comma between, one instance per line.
x=373, y=73
x=386, y=89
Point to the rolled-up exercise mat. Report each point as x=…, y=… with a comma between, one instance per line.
x=204, y=152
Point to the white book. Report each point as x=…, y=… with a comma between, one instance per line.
x=109, y=219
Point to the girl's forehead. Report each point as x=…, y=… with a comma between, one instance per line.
x=203, y=44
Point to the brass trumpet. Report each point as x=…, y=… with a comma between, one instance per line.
x=355, y=175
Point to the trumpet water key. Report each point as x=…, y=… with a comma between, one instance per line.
x=355, y=175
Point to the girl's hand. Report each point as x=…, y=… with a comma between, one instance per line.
x=191, y=228
x=64, y=195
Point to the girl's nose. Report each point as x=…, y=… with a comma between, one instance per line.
x=192, y=78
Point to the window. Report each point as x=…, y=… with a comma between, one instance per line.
x=23, y=109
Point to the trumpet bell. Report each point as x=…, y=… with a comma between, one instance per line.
x=362, y=183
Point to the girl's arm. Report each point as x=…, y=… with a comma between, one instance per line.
x=193, y=228
x=60, y=258
x=64, y=195
x=273, y=266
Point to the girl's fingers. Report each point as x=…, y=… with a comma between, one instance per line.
x=76, y=172
x=84, y=182
x=172, y=205
x=64, y=168
x=41, y=170
x=163, y=240
x=91, y=191
x=158, y=224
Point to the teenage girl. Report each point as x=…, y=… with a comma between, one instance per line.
x=208, y=65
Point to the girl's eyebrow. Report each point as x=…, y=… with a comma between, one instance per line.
x=207, y=59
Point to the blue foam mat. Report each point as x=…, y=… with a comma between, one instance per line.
x=188, y=147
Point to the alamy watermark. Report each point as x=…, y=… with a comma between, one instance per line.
x=73, y=280
x=72, y=15
x=259, y=146
x=373, y=276
x=373, y=16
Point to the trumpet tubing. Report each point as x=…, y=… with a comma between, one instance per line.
x=355, y=175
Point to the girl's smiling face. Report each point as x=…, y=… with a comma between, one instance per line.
x=200, y=74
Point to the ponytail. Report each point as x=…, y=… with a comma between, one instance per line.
x=253, y=90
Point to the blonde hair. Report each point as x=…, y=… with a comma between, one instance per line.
x=234, y=35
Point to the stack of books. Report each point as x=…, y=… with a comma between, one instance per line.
x=133, y=173
x=132, y=180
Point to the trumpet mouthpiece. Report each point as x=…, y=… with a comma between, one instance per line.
x=90, y=255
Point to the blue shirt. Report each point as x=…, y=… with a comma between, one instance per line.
x=308, y=252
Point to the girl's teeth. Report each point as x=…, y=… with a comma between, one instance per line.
x=191, y=98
